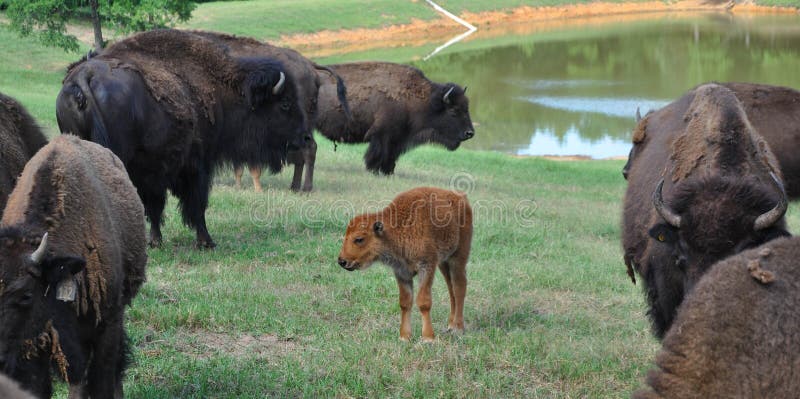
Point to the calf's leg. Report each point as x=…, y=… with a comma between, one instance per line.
x=255, y=174
x=237, y=175
x=406, y=287
x=426, y=272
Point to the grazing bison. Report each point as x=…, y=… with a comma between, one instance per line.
x=736, y=335
x=11, y=390
x=702, y=186
x=173, y=105
x=421, y=229
x=20, y=138
x=306, y=74
x=774, y=112
x=72, y=256
x=394, y=108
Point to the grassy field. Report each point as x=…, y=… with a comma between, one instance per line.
x=549, y=311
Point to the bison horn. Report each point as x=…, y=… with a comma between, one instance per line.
x=279, y=86
x=638, y=115
x=658, y=201
x=38, y=254
x=446, y=97
x=773, y=215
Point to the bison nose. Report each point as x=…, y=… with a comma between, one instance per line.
x=468, y=134
x=625, y=173
x=342, y=262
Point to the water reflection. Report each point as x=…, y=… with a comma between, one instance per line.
x=575, y=91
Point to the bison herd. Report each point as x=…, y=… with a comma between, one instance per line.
x=709, y=179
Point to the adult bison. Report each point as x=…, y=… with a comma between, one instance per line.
x=20, y=138
x=394, y=108
x=736, y=335
x=173, y=105
x=702, y=186
x=72, y=256
x=774, y=112
x=308, y=80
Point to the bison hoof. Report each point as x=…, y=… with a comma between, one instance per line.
x=205, y=244
x=307, y=189
x=404, y=339
x=428, y=340
x=154, y=242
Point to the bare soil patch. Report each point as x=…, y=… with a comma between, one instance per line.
x=497, y=23
x=203, y=344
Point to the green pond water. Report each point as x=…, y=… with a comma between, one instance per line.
x=576, y=90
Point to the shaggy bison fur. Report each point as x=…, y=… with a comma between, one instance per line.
x=421, y=229
x=394, y=108
x=72, y=257
x=702, y=186
x=737, y=335
x=20, y=138
x=174, y=105
x=308, y=81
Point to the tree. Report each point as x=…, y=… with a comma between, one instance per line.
x=47, y=19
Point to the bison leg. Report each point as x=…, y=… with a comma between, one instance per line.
x=103, y=376
x=406, y=302
x=445, y=269
x=255, y=174
x=192, y=188
x=458, y=276
x=237, y=175
x=310, y=158
x=426, y=272
x=297, y=158
x=153, y=200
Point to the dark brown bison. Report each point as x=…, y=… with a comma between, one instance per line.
x=72, y=256
x=702, y=186
x=308, y=81
x=774, y=112
x=736, y=335
x=20, y=138
x=394, y=108
x=422, y=229
x=173, y=105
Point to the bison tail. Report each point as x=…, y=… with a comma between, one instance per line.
x=341, y=91
x=99, y=133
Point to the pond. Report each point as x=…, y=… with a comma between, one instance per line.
x=575, y=90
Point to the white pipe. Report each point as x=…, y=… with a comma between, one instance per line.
x=471, y=29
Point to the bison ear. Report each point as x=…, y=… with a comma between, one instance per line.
x=61, y=271
x=378, y=228
x=58, y=268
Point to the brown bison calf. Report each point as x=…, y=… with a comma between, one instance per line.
x=737, y=334
x=421, y=229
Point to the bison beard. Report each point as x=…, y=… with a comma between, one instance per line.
x=173, y=106
x=308, y=80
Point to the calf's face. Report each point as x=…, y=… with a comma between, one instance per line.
x=362, y=244
x=31, y=284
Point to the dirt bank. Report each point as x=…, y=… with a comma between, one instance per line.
x=497, y=23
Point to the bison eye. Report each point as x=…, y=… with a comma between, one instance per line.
x=285, y=105
x=358, y=240
x=26, y=300
x=664, y=233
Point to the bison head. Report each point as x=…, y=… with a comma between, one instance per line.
x=33, y=287
x=362, y=244
x=271, y=93
x=447, y=121
x=707, y=220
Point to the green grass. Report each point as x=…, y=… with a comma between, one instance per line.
x=549, y=311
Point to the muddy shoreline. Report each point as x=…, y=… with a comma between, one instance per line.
x=520, y=20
